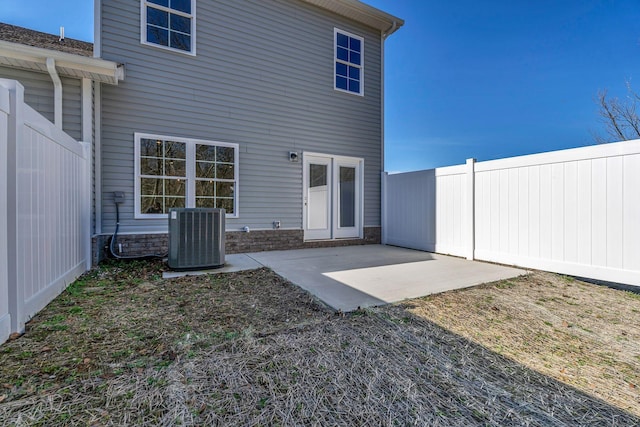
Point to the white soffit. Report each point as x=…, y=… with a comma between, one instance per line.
x=67, y=64
x=361, y=12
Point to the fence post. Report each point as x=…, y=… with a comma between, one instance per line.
x=5, y=314
x=87, y=138
x=15, y=132
x=383, y=210
x=86, y=196
x=470, y=219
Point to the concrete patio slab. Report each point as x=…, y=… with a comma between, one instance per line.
x=233, y=263
x=350, y=277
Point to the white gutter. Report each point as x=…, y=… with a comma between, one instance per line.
x=358, y=11
x=67, y=64
x=391, y=30
x=57, y=87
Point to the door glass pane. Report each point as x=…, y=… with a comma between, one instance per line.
x=317, y=175
x=347, y=197
x=318, y=198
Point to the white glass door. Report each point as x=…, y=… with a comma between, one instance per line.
x=317, y=197
x=332, y=197
x=347, y=198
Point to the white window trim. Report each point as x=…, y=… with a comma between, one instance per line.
x=335, y=58
x=143, y=27
x=191, y=172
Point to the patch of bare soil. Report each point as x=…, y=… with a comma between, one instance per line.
x=122, y=346
x=584, y=335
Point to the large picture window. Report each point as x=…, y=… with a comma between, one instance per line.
x=180, y=172
x=349, y=62
x=169, y=24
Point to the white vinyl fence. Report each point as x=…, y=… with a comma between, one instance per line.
x=574, y=212
x=44, y=210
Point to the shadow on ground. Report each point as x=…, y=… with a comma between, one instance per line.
x=252, y=349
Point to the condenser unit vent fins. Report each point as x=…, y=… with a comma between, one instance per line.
x=196, y=238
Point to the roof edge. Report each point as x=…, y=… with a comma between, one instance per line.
x=386, y=23
x=103, y=70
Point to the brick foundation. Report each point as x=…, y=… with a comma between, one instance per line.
x=277, y=240
x=132, y=245
x=236, y=242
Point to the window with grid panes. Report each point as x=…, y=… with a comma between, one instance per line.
x=349, y=69
x=180, y=172
x=169, y=24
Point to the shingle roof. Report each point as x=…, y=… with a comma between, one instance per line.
x=15, y=34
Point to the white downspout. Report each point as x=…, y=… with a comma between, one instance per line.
x=383, y=174
x=383, y=186
x=97, y=28
x=383, y=37
x=57, y=87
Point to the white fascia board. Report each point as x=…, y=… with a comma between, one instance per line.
x=361, y=12
x=94, y=68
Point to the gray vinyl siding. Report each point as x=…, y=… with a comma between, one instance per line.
x=39, y=95
x=262, y=78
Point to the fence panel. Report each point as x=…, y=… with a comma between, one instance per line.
x=451, y=211
x=573, y=211
x=409, y=210
x=47, y=210
x=426, y=210
x=52, y=210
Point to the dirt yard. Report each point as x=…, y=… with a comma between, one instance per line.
x=122, y=346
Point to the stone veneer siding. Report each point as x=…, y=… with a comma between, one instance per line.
x=236, y=242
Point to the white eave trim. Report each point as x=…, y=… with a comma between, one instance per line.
x=67, y=64
x=361, y=12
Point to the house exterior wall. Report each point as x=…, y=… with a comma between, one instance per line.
x=39, y=95
x=263, y=78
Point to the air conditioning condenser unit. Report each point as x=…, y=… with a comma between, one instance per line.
x=196, y=238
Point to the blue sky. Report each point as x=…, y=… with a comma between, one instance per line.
x=467, y=78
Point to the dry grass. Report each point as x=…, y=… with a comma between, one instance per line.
x=124, y=347
x=584, y=335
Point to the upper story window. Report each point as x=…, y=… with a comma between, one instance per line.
x=169, y=24
x=181, y=172
x=349, y=62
